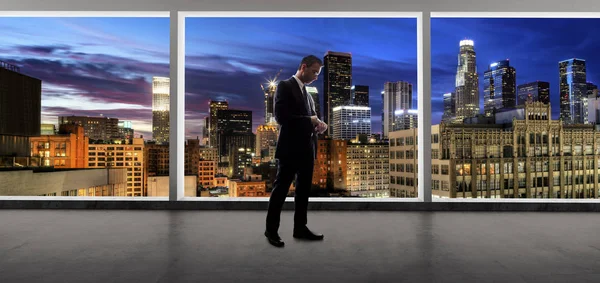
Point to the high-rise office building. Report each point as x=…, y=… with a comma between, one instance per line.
x=395, y=96
x=337, y=81
x=349, y=121
x=499, y=87
x=360, y=95
x=205, y=128
x=406, y=119
x=533, y=92
x=315, y=96
x=573, y=91
x=266, y=136
x=231, y=123
x=160, y=109
x=594, y=109
x=125, y=129
x=96, y=128
x=467, y=82
x=214, y=107
x=449, y=108
x=20, y=110
x=269, y=92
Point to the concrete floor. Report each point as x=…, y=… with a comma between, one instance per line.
x=229, y=246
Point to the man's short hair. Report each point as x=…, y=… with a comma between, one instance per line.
x=310, y=60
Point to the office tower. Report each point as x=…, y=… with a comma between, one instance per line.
x=20, y=110
x=315, y=96
x=160, y=109
x=349, y=121
x=231, y=123
x=360, y=95
x=266, y=136
x=449, y=101
x=269, y=92
x=534, y=92
x=214, y=107
x=205, y=127
x=594, y=109
x=573, y=91
x=467, y=82
x=125, y=129
x=499, y=87
x=405, y=119
x=337, y=81
x=96, y=128
x=395, y=96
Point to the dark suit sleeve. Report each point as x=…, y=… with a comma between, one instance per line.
x=284, y=108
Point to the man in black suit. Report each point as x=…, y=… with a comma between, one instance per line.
x=296, y=149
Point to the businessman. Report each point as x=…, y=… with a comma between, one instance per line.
x=296, y=149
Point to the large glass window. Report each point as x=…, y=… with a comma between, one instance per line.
x=74, y=89
x=503, y=84
x=365, y=93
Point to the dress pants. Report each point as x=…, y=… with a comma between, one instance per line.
x=287, y=170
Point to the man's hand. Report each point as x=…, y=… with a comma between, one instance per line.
x=314, y=120
x=321, y=127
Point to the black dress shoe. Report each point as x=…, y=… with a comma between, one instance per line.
x=305, y=233
x=274, y=239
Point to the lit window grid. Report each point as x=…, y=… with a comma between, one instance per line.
x=349, y=122
x=134, y=188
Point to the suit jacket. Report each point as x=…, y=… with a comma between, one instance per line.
x=297, y=137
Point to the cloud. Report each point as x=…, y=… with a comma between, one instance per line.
x=41, y=50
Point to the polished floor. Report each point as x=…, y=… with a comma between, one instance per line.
x=229, y=246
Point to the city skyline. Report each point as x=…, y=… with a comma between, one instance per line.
x=251, y=51
x=531, y=45
x=91, y=66
x=104, y=66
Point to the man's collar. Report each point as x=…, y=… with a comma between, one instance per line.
x=300, y=83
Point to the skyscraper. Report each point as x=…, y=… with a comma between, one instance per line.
x=205, y=127
x=336, y=83
x=360, y=95
x=499, y=87
x=593, y=104
x=96, y=128
x=349, y=121
x=533, y=92
x=449, y=108
x=269, y=91
x=573, y=91
x=214, y=107
x=396, y=96
x=405, y=119
x=233, y=123
x=160, y=109
x=20, y=110
x=467, y=82
x=125, y=129
x=266, y=136
x=315, y=96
